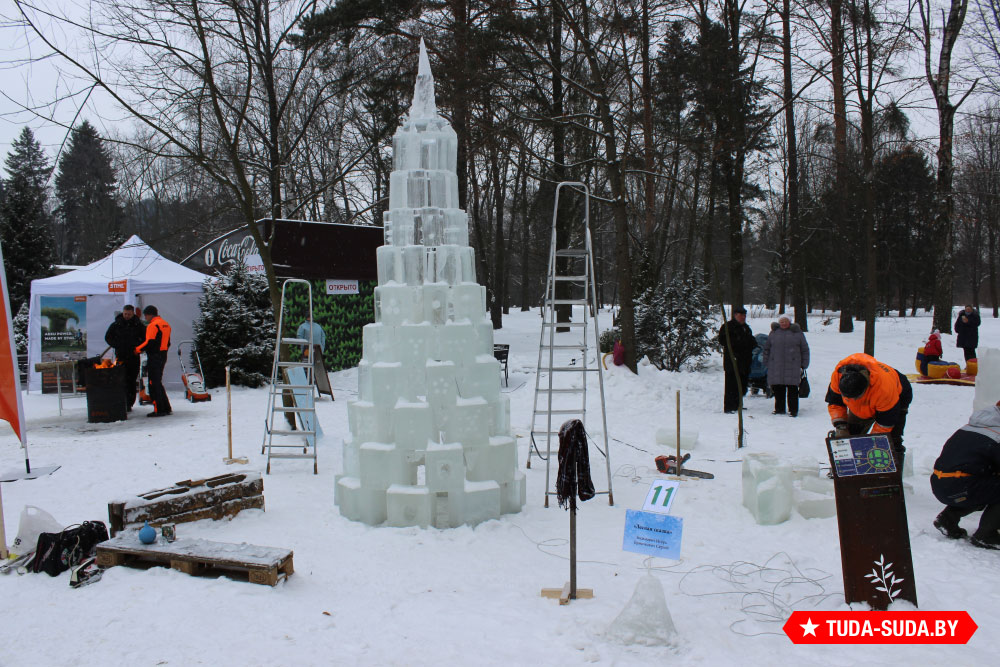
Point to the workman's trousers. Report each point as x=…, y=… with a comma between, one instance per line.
x=731, y=400
x=155, y=361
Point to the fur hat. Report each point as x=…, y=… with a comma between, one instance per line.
x=739, y=309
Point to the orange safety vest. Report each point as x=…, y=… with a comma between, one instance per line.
x=882, y=393
x=157, y=336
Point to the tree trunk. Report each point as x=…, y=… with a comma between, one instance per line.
x=797, y=269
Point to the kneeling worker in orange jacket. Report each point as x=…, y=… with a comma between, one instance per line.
x=867, y=396
x=155, y=346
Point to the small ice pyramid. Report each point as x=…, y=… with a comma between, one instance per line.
x=430, y=441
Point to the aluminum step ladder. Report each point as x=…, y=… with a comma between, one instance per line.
x=293, y=380
x=564, y=362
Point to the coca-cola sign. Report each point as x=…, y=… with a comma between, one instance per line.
x=215, y=257
x=298, y=249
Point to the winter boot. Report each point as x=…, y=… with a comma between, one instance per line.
x=947, y=522
x=987, y=535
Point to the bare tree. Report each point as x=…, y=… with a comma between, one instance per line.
x=219, y=84
x=940, y=82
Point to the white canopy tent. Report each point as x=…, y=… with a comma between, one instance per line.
x=133, y=274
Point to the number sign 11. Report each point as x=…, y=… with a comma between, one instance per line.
x=661, y=496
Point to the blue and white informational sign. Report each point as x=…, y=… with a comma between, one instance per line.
x=653, y=534
x=661, y=496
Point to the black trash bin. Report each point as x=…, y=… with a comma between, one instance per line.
x=106, y=393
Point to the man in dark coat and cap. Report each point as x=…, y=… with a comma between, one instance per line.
x=124, y=334
x=737, y=343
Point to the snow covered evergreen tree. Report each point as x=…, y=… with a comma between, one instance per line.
x=236, y=328
x=673, y=325
x=24, y=217
x=21, y=329
x=86, y=190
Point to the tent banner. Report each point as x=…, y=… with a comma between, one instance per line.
x=118, y=286
x=63, y=327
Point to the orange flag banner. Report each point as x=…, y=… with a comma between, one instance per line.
x=11, y=407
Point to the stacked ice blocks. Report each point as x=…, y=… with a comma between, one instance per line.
x=430, y=441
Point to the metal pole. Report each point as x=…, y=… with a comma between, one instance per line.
x=3, y=534
x=572, y=547
x=229, y=414
x=678, y=434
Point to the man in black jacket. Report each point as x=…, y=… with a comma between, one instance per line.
x=736, y=341
x=967, y=328
x=966, y=478
x=124, y=334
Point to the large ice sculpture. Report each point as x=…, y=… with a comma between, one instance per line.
x=430, y=441
x=987, y=380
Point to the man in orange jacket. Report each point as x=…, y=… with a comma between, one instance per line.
x=867, y=396
x=155, y=346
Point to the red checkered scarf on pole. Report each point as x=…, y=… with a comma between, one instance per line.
x=574, y=464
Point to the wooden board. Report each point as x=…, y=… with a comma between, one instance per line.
x=964, y=380
x=261, y=565
x=190, y=500
x=319, y=373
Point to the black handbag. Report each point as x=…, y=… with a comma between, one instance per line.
x=804, y=385
x=57, y=552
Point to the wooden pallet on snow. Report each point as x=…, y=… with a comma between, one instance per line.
x=190, y=500
x=261, y=565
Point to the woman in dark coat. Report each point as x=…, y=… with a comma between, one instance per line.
x=967, y=328
x=786, y=355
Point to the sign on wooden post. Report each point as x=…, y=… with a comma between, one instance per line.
x=871, y=516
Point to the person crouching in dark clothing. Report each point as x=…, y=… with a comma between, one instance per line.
x=124, y=335
x=155, y=346
x=966, y=478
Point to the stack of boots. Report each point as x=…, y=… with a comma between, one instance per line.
x=987, y=536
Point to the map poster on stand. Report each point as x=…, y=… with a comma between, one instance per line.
x=653, y=534
x=862, y=456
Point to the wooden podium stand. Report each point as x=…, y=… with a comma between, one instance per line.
x=871, y=514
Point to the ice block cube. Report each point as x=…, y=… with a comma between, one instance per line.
x=767, y=488
x=408, y=505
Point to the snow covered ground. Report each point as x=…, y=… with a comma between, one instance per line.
x=407, y=596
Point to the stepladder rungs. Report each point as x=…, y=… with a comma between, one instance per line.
x=564, y=367
x=292, y=391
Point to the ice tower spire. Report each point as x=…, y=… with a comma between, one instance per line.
x=430, y=441
x=423, y=105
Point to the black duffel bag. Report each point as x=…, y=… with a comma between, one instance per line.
x=57, y=552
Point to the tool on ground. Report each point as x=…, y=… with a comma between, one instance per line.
x=194, y=382
x=668, y=466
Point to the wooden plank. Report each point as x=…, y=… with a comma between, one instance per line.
x=261, y=565
x=183, y=501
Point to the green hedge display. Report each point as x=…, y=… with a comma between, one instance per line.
x=342, y=317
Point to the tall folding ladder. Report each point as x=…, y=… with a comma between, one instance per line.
x=302, y=391
x=563, y=362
